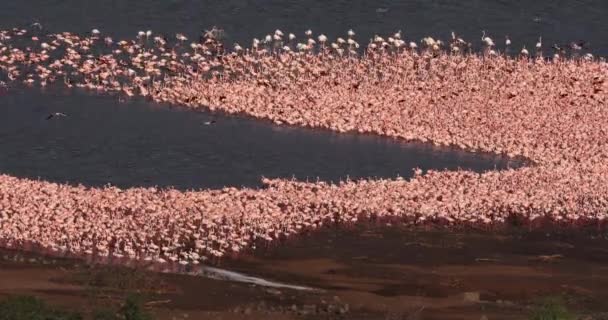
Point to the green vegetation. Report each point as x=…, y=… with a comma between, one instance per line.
x=552, y=308
x=31, y=308
x=132, y=310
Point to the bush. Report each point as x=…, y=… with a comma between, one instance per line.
x=132, y=309
x=552, y=309
x=31, y=308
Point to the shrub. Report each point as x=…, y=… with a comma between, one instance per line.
x=551, y=309
x=31, y=308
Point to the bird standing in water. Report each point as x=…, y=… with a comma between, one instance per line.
x=56, y=114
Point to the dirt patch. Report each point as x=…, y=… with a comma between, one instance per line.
x=400, y=273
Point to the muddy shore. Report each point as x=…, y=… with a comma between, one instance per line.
x=376, y=272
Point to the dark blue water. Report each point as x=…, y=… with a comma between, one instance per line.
x=558, y=21
x=138, y=143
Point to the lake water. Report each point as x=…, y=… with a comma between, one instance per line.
x=139, y=143
x=557, y=21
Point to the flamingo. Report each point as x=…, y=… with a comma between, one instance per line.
x=487, y=40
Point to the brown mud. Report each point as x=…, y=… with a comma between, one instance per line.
x=377, y=272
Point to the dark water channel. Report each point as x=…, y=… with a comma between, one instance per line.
x=138, y=143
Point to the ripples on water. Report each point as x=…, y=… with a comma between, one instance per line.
x=138, y=143
x=557, y=21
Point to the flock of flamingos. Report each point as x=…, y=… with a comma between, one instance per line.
x=550, y=108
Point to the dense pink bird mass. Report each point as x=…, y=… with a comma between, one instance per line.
x=552, y=112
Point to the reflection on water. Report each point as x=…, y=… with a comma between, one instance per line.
x=138, y=143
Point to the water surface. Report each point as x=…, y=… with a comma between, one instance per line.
x=558, y=21
x=139, y=143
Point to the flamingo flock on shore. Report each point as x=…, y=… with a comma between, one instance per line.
x=550, y=110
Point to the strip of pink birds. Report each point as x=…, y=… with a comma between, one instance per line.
x=550, y=110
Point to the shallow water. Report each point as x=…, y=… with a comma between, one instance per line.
x=557, y=21
x=139, y=143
